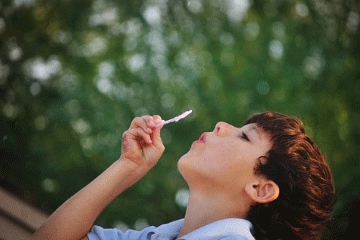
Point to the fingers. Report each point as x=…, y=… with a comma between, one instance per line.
x=156, y=134
x=137, y=133
x=142, y=140
x=144, y=127
x=157, y=119
x=146, y=123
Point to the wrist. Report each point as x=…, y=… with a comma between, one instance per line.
x=131, y=167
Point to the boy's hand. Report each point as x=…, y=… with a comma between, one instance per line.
x=141, y=143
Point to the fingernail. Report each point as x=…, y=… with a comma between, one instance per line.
x=149, y=130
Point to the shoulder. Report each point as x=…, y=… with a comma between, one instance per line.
x=99, y=233
x=224, y=229
x=169, y=230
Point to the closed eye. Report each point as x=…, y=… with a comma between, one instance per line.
x=244, y=136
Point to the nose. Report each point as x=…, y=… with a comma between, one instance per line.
x=221, y=128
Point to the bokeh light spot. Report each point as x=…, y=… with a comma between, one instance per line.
x=262, y=87
x=182, y=197
x=276, y=49
x=301, y=9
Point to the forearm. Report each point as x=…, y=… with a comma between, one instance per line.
x=141, y=149
x=74, y=218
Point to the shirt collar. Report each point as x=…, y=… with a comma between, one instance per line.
x=220, y=228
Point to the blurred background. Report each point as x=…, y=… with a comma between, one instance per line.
x=73, y=74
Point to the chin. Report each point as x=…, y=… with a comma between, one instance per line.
x=186, y=166
x=183, y=162
x=191, y=169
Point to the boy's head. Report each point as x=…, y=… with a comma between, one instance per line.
x=297, y=166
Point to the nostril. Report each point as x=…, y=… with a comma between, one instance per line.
x=221, y=127
x=217, y=128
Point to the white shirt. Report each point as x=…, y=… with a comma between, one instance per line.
x=225, y=229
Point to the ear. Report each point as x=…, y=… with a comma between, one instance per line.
x=264, y=191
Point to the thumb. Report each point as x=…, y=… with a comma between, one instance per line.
x=155, y=136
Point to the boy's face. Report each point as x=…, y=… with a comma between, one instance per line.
x=223, y=160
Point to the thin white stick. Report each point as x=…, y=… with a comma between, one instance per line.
x=175, y=119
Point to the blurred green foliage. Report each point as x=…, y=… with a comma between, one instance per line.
x=73, y=74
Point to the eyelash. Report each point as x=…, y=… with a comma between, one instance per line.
x=244, y=136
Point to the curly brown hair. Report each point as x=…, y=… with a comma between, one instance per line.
x=306, y=184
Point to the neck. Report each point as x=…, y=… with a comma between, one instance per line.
x=204, y=209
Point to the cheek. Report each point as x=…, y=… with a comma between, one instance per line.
x=225, y=153
x=233, y=160
x=224, y=159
